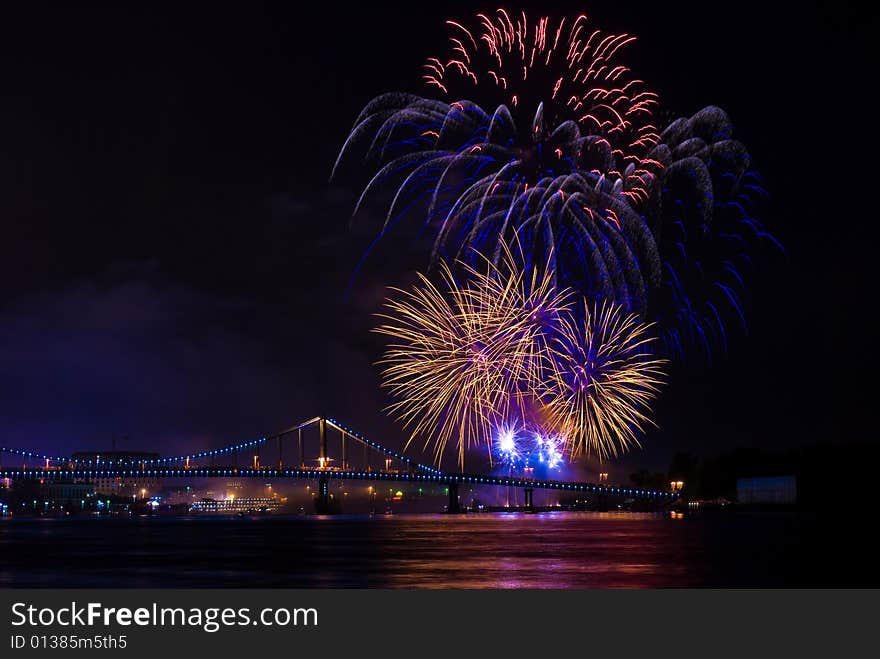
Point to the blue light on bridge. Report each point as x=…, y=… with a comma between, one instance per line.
x=427, y=474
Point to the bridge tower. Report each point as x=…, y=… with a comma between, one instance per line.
x=322, y=441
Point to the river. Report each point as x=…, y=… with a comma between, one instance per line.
x=503, y=550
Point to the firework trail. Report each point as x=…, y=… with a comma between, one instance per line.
x=548, y=451
x=601, y=379
x=569, y=164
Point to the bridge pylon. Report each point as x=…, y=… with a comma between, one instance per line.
x=454, y=506
x=324, y=501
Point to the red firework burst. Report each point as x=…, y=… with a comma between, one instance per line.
x=564, y=64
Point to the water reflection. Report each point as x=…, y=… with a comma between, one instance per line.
x=505, y=550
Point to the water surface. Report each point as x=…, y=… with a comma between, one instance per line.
x=545, y=550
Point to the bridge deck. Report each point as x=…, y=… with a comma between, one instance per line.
x=335, y=474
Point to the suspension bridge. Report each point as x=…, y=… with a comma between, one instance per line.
x=320, y=448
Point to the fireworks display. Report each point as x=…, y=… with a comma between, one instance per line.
x=583, y=239
x=558, y=151
x=474, y=363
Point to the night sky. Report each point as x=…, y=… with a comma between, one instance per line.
x=173, y=261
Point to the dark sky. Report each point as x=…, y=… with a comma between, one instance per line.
x=173, y=260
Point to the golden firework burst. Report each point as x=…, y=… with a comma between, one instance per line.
x=600, y=379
